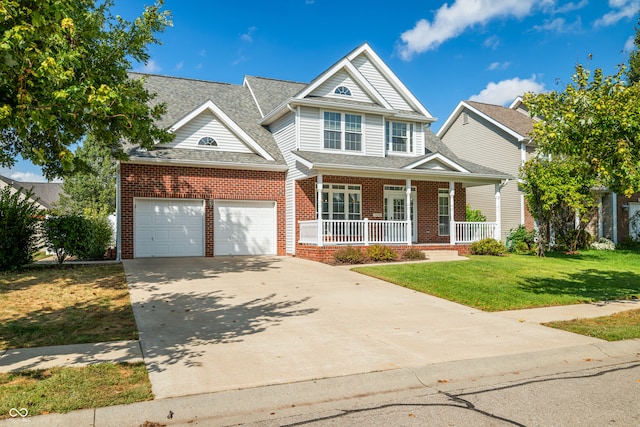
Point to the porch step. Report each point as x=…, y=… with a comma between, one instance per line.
x=441, y=254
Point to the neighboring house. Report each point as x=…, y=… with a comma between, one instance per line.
x=496, y=137
x=45, y=194
x=499, y=137
x=303, y=169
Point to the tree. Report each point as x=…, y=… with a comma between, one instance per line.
x=92, y=190
x=557, y=191
x=596, y=120
x=63, y=75
x=19, y=221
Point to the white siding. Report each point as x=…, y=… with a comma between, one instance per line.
x=341, y=79
x=485, y=144
x=382, y=85
x=206, y=124
x=310, y=129
x=284, y=132
x=374, y=143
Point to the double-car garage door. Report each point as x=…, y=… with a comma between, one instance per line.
x=176, y=227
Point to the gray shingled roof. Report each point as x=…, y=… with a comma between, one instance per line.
x=183, y=96
x=46, y=193
x=201, y=156
x=510, y=118
x=270, y=93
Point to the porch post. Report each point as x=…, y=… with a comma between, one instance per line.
x=498, y=230
x=600, y=223
x=319, y=209
x=408, y=212
x=452, y=216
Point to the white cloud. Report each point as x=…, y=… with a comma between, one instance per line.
x=451, y=21
x=248, y=36
x=492, y=42
x=629, y=45
x=571, y=6
x=179, y=65
x=506, y=91
x=560, y=25
x=26, y=176
x=150, y=67
x=621, y=9
x=203, y=53
x=498, y=66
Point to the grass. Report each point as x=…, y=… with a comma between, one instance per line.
x=69, y=389
x=50, y=305
x=522, y=281
x=619, y=326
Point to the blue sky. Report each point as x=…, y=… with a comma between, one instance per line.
x=444, y=51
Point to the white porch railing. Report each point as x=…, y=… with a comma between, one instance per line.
x=469, y=232
x=365, y=232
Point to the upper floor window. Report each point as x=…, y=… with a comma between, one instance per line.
x=342, y=130
x=207, y=141
x=342, y=90
x=399, y=137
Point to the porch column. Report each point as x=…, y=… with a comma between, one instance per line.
x=408, y=212
x=498, y=230
x=452, y=211
x=600, y=223
x=614, y=214
x=319, y=209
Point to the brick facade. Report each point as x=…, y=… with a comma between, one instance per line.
x=181, y=182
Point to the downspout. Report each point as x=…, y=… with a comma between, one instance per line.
x=614, y=208
x=118, y=216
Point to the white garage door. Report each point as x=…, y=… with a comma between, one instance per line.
x=244, y=228
x=168, y=228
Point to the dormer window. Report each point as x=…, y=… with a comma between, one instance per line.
x=342, y=90
x=207, y=141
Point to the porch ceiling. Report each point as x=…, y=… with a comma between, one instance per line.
x=392, y=167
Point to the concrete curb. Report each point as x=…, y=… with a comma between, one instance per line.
x=270, y=403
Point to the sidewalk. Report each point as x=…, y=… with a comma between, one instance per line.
x=269, y=404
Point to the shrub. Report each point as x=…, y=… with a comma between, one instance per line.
x=19, y=226
x=574, y=240
x=474, y=215
x=487, y=246
x=628, y=244
x=74, y=235
x=603, y=244
x=381, y=253
x=520, y=240
x=413, y=253
x=349, y=255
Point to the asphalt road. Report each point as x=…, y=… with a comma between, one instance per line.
x=604, y=396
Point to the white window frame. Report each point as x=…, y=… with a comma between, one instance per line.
x=346, y=190
x=410, y=137
x=343, y=131
x=444, y=221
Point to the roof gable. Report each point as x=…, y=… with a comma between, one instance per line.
x=437, y=161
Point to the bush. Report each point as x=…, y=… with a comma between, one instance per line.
x=349, y=255
x=628, y=244
x=381, y=253
x=74, y=235
x=603, y=244
x=474, y=215
x=19, y=226
x=487, y=246
x=520, y=240
x=573, y=240
x=413, y=253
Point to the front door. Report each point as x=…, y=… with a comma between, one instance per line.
x=395, y=207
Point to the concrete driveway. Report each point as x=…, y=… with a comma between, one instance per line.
x=213, y=324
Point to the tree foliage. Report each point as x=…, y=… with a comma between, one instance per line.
x=595, y=120
x=557, y=190
x=633, y=74
x=92, y=190
x=19, y=225
x=63, y=75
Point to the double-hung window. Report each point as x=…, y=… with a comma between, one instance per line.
x=342, y=131
x=443, y=212
x=340, y=201
x=399, y=137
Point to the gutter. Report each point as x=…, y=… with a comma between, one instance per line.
x=210, y=165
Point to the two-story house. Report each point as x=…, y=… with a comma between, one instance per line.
x=499, y=137
x=278, y=167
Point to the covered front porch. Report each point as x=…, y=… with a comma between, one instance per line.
x=335, y=211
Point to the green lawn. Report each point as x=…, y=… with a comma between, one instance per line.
x=619, y=326
x=521, y=281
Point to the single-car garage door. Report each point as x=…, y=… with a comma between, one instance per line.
x=168, y=228
x=244, y=228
